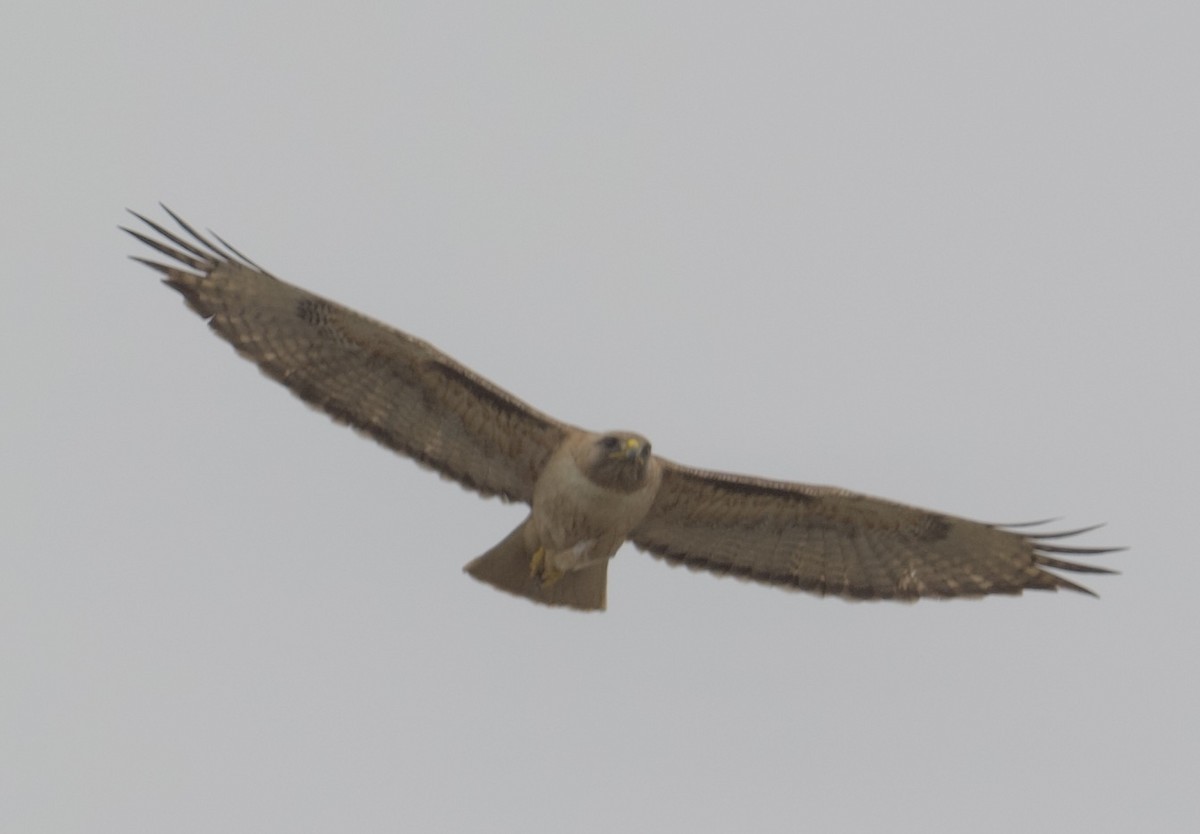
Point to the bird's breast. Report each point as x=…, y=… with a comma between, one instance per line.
x=569, y=508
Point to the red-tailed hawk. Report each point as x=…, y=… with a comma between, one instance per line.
x=590, y=492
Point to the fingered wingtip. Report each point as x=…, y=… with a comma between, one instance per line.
x=190, y=248
x=1079, y=531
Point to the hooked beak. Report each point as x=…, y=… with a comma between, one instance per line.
x=632, y=450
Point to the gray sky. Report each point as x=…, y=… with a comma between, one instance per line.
x=941, y=253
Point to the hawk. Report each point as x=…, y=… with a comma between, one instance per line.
x=590, y=492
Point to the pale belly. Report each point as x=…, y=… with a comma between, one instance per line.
x=579, y=523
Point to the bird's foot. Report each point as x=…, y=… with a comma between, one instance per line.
x=535, y=564
x=542, y=568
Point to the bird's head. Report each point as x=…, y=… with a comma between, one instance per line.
x=619, y=460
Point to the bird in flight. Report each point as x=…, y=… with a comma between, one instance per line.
x=590, y=492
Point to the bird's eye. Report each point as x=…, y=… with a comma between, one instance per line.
x=610, y=443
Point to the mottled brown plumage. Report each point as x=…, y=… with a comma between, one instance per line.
x=588, y=492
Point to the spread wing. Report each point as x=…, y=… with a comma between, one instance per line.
x=829, y=541
x=398, y=389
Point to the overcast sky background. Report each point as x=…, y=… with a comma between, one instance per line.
x=939, y=252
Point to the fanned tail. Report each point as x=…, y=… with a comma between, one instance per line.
x=506, y=566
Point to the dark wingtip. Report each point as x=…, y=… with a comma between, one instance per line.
x=1074, y=586
x=1065, y=533
x=1040, y=543
x=1077, y=551
x=155, y=265
x=230, y=247
x=1044, y=561
x=201, y=253
x=1043, y=548
x=1021, y=524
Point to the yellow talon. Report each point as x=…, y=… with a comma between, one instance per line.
x=543, y=568
x=550, y=575
x=536, y=563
